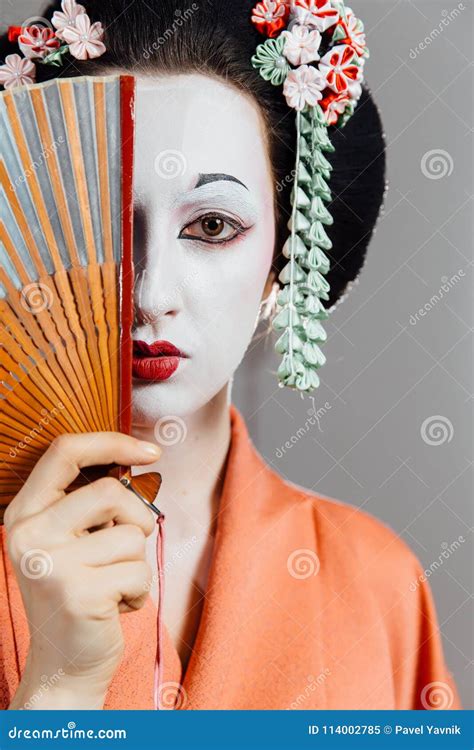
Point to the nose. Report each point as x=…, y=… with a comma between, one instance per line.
x=158, y=268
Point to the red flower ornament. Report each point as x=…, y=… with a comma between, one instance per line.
x=271, y=17
x=334, y=105
x=37, y=41
x=350, y=30
x=319, y=14
x=340, y=68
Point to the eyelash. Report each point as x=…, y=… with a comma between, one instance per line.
x=239, y=228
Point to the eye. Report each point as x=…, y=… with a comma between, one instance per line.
x=213, y=228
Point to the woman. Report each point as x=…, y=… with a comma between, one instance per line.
x=276, y=597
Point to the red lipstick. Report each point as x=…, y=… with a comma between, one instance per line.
x=157, y=361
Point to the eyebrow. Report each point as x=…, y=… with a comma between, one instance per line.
x=205, y=178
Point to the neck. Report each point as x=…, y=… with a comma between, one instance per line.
x=193, y=469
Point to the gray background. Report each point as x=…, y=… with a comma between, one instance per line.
x=388, y=372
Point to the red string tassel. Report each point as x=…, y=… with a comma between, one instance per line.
x=160, y=540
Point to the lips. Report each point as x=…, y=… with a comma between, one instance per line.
x=157, y=349
x=156, y=361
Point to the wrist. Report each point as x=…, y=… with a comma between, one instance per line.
x=35, y=696
x=39, y=690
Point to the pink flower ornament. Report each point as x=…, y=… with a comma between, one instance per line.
x=84, y=39
x=17, y=71
x=66, y=17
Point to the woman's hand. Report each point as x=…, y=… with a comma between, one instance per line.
x=76, y=578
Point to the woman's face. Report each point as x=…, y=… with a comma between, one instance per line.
x=204, y=235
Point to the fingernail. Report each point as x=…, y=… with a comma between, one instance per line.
x=150, y=448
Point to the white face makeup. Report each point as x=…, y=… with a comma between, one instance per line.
x=204, y=235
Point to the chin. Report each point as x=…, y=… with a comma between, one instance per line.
x=177, y=397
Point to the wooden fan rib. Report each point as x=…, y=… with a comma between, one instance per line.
x=110, y=284
x=109, y=267
x=66, y=325
x=32, y=180
x=97, y=288
x=41, y=335
x=65, y=218
x=102, y=281
x=43, y=215
x=38, y=104
x=33, y=385
x=14, y=257
x=75, y=301
x=23, y=227
x=50, y=378
x=103, y=172
x=70, y=116
x=22, y=403
x=79, y=280
x=66, y=223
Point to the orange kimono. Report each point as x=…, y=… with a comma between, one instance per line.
x=311, y=604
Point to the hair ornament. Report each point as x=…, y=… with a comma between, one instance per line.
x=73, y=32
x=316, y=50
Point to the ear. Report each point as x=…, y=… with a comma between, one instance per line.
x=271, y=278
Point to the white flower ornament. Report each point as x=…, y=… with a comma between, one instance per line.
x=302, y=45
x=303, y=86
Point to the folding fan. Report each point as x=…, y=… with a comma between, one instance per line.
x=66, y=270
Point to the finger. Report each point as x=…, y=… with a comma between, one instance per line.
x=123, y=543
x=128, y=582
x=64, y=459
x=98, y=503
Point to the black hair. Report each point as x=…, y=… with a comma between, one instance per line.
x=217, y=38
